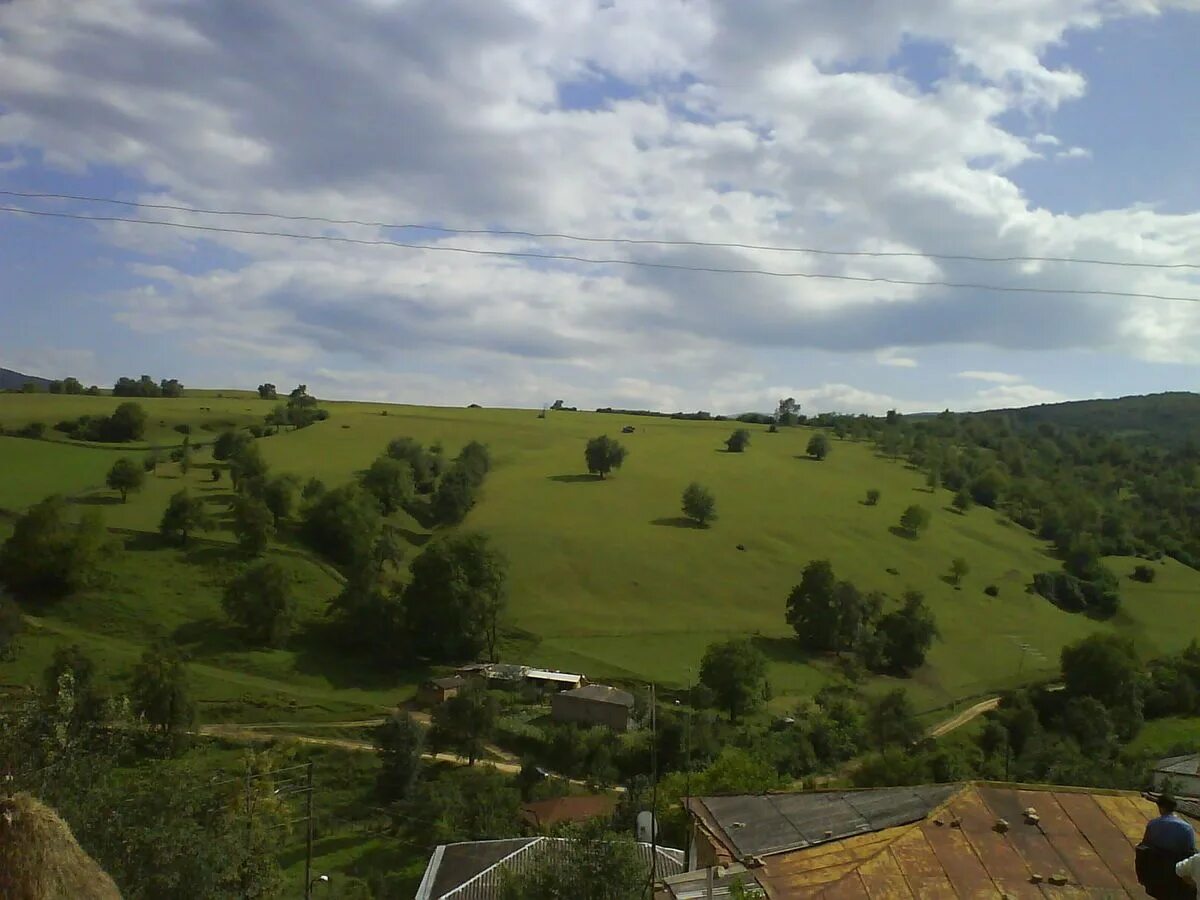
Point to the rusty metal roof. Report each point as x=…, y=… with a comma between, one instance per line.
x=1080, y=844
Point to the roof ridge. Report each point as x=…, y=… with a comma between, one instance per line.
x=501, y=861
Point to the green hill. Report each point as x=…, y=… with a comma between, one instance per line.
x=604, y=577
x=1168, y=418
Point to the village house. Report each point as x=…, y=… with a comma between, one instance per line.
x=593, y=704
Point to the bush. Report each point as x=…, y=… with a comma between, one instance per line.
x=184, y=428
x=32, y=430
x=873, y=497
x=738, y=441
x=992, y=591
x=1144, y=574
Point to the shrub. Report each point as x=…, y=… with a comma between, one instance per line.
x=992, y=591
x=1144, y=574
x=873, y=497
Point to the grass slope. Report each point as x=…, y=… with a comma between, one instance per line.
x=604, y=575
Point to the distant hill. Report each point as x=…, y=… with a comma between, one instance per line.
x=10, y=380
x=1170, y=418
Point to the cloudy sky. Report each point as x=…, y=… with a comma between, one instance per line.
x=925, y=127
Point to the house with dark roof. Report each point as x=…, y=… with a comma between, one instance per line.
x=972, y=839
x=593, y=704
x=474, y=870
x=438, y=690
x=1182, y=773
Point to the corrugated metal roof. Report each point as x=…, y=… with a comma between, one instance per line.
x=602, y=693
x=1179, y=765
x=1080, y=845
x=547, y=675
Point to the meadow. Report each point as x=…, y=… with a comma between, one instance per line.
x=605, y=576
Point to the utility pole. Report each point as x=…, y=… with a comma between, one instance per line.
x=308, y=842
x=653, y=789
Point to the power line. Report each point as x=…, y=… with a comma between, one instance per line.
x=555, y=235
x=636, y=263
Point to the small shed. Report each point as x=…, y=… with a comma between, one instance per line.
x=436, y=691
x=550, y=680
x=594, y=704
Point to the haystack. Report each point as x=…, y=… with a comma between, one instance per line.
x=40, y=858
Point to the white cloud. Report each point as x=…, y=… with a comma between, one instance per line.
x=1046, y=140
x=1014, y=395
x=994, y=377
x=889, y=356
x=1074, y=153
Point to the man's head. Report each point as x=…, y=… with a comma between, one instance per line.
x=1166, y=804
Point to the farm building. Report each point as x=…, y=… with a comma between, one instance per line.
x=439, y=690
x=551, y=680
x=594, y=704
x=502, y=675
x=1181, y=772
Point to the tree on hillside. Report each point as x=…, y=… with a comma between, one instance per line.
x=595, y=864
x=873, y=497
x=454, y=600
x=151, y=461
x=184, y=514
x=399, y=742
x=787, y=412
x=11, y=626
x=267, y=392
x=160, y=694
x=170, y=387
x=476, y=461
x=260, y=601
x=603, y=454
x=810, y=607
x=253, y=525
x=958, y=569
x=906, y=634
x=390, y=482
x=247, y=468
x=1106, y=667
x=48, y=556
x=313, y=489
x=342, y=524
x=425, y=465
x=127, y=423
x=125, y=476
x=962, y=500
x=818, y=446
x=279, y=494
x=454, y=497
x=465, y=722
x=735, y=671
x=699, y=504
x=738, y=441
x=914, y=520
x=229, y=443
x=891, y=719
x=987, y=487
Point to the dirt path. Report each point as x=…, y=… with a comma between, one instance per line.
x=962, y=718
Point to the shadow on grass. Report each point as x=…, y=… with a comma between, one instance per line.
x=574, y=479
x=903, y=533
x=807, y=458
x=676, y=522
x=781, y=649
x=206, y=554
x=416, y=538
x=948, y=579
x=321, y=649
x=145, y=540
x=209, y=637
x=97, y=500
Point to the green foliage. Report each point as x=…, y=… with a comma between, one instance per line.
x=603, y=454
x=267, y=392
x=11, y=626
x=184, y=514
x=830, y=615
x=873, y=497
x=818, y=446
x=252, y=525
x=390, y=482
x=962, y=500
x=891, y=719
x=261, y=601
x=279, y=495
x=454, y=497
x=342, y=525
x=914, y=520
x=455, y=598
x=1066, y=591
x=465, y=722
x=959, y=569
x=594, y=865
x=47, y=556
x=905, y=635
x=476, y=460
x=464, y=804
x=699, y=505
x=738, y=441
x=160, y=694
x=426, y=466
x=399, y=741
x=229, y=444
x=735, y=671
x=125, y=476
x=247, y=468
x=1143, y=573
x=1106, y=667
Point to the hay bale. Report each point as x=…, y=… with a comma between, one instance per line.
x=40, y=858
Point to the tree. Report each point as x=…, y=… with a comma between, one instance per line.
x=127, y=423
x=962, y=500
x=343, y=524
x=1143, y=573
x=399, y=741
x=279, y=494
x=987, y=487
x=958, y=569
x=454, y=497
x=125, y=476
x=267, y=392
x=229, y=443
x=389, y=481
x=873, y=497
x=907, y=633
x=787, y=412
x=424, y=464
x=151, y=461
x=476, y=461
x=464, y=804
x=594, y=864
x=260, y=601
x=603, y=454
x=465, y=722
x=891, y=719
x=699, y=504
x=735, y=671
x=818, y=446
x=247, y=467
x=253, y=525
x=183, y=515
x=454, y=600
x=48, y=556
x=160, y=693
x=914, y=520
x=170, y=387
x=11, y=626
x=1106, y=667
x=738, y=441
x=810, y=606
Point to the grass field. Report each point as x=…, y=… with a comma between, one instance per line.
x=604, y=575
x=1168, y=737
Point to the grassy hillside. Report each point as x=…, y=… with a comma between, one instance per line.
x=1168, y=418
x=604, y=575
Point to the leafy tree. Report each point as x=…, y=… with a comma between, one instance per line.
x=184, y=514
x=987, y=487
x=873, y=497
x=699, y=505
x=1144, y=574
x=818, y=446
x=914, y=520
x=279, y=494
x=891, y=719
x=247, y=467
x=253, y=525
x=933, y=480
x=125, y=476
x=465, y=722
x=962, y=500
x=160, y=692
x=260, y=600
x=399, y=741
x=389, y=481
x=267, y=392
x=127, y=423
x=454, y=600
x=465, y=804
x=810, y=606
x=958, y=569
x=11, y=626
x=29, y=387
x=48, y=556
x=735, y=671
x=229, y=443
x=425, y=465
x=170, y=387
x=1106, y=667
x=594, y=865
x=603, y=454
x=738, y=441
x=151, y=460
x=343, y=524
x=476, y=461
x=313, y=488
x=787, y=412
x=906, y=634
x=72, y=386
x=454, y=497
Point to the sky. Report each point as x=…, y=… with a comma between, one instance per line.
x=933, y=128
